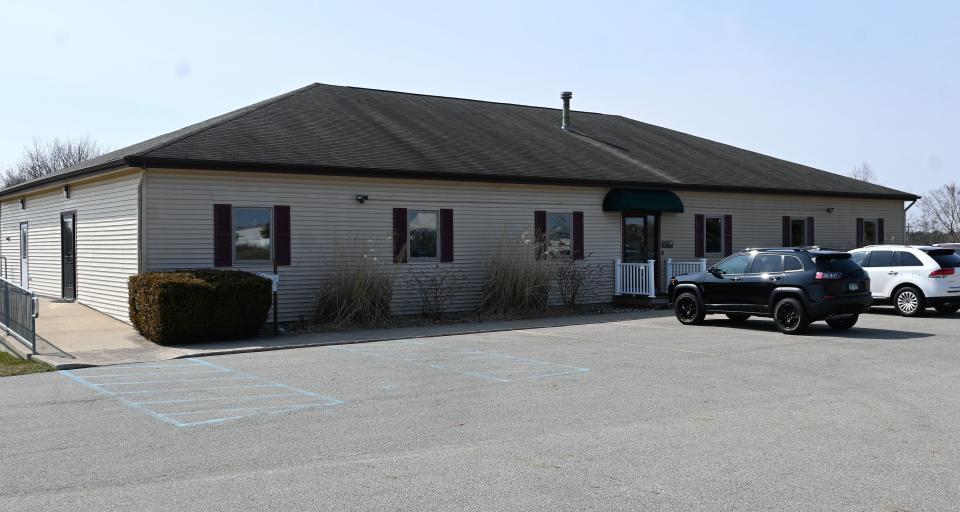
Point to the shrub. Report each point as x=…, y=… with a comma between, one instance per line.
x=359, y=290
x=198, y=305
x=516, y=281
x=574, y=279
x=435, y=287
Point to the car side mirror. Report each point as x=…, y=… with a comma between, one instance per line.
x=715, y=271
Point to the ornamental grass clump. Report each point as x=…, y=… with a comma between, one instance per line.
x=517, y=280
x=359, y=290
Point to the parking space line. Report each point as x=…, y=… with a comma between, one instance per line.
x=667, y=348
x=166, y=392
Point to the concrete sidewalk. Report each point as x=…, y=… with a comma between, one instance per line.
x=75, y=336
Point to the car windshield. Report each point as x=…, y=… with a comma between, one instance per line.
x=946, y=258
x=836, y=263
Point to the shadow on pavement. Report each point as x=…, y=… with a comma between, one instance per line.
x=821, y=329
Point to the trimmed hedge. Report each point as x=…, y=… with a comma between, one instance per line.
x=198, y=305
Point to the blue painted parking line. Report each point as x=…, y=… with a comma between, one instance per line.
x=472, y=362
x=157, y=390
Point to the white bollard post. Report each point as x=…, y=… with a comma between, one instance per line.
x=703, y=264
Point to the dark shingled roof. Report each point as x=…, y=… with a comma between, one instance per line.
x=354, y=131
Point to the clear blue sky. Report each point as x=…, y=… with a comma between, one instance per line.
x=828, y=84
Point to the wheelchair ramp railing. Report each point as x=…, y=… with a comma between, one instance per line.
x=19, y=309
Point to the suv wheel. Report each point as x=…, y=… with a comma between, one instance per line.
x=790, y=316
x=738, y=317
x=688, y=309
x=947, y=309
x=909, y=301
x=842, y=324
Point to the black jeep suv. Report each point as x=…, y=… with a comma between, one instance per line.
x=795, y=286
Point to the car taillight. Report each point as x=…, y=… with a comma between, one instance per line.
x=829, y=275
x=943, y=272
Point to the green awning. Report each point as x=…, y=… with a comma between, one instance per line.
x=631, y=200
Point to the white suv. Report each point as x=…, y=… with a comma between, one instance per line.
x=912, y=277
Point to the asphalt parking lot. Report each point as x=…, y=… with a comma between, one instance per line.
x=641, y=414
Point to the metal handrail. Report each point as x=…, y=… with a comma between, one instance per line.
x=19, y=310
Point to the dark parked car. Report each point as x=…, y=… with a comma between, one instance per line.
x=794, y=286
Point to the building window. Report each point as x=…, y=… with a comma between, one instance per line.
x=423, y=233
x=713, y=234
x=251, y=234
x=870, y=232
x=559, y=229
x=798, y=232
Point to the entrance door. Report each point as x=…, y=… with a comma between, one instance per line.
x=641, y=235
x=24, y=256
x=68, y=254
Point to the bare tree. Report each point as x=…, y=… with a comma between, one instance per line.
x=940, y=212
x=864, y=172
x=46, y=157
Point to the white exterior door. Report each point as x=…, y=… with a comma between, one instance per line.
x=24, y=256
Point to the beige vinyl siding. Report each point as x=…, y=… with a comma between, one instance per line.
x=325, y=215
x=758, y=219
x=107, y=229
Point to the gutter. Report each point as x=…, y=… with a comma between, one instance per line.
x=52, y=178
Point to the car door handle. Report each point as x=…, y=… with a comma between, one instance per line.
x=735, y=278
x=776, y=278
x=893, y=272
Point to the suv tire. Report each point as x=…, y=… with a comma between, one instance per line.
x=790, y=316
x=909, y=301
x=688, y=309
x=842, y=324
x=947, y=309
x=738, y=317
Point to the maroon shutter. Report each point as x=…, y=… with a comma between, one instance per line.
x=222, y=235
x=399, y=235
x=811, y=238
x=446, y=236
x=281, y=221
x=880, y=237
x=786, y=231
x=860, y=232
x=698, y=235
x=540, y=231
x=578, y=235
x=727, y=235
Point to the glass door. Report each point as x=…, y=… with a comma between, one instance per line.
x=639, y=238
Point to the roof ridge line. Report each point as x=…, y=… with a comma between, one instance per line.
x=265, y=103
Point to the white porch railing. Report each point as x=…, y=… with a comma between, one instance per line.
x=678, y=268
x=635, y=279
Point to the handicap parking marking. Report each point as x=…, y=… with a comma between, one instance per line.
x=484, y=364
x=169, y=393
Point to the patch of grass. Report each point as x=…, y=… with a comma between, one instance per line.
x=12, y=365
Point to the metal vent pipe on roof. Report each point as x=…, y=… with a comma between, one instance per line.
x=565, y=96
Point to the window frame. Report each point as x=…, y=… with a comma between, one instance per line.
x=803, y=230
x=749, y=264
x=706, y=222
x=233, y=236
x=802, y=266
x=753, y=262
x=410, y=257
x=876, y=232
x=546, y=235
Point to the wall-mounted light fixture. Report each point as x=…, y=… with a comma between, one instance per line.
x=361, y=198
x=66, y=191
x=829, y=210
x=23, y=203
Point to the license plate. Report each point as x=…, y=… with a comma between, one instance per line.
x=853, y=287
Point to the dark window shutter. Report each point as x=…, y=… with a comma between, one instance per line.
x=880, y=237
x=281, y=237
x=698, y=235
x=786, y=231
x=860, y=232
x=222, y=235
x=810, y=234
x=540, y=231
x=578, y=235
x=446, y=235
x=399, y=235
x=727, y=235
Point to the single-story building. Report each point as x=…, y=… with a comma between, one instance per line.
x=419, y=181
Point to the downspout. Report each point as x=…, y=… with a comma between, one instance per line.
x=905, y=210
x=142, y=262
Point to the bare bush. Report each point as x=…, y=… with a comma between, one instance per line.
x=516, y=281
x=359, y=290
x=46, y=157
x=435, y=287
x=574, y=280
